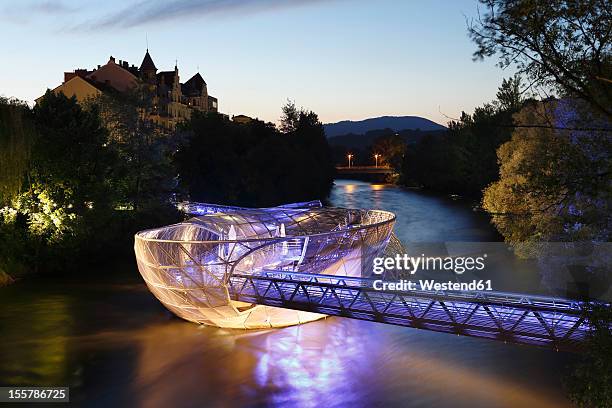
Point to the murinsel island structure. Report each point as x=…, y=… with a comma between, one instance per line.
x=169, y=101
x=188, y=266
x=254, y=268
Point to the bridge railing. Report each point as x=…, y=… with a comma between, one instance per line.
x=518, y=318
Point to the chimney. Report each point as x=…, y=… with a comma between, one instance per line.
x=111, y=59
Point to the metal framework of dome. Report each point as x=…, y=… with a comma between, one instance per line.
x=188, y=266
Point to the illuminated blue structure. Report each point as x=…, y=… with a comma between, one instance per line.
x=271, y=267
x=189, y=266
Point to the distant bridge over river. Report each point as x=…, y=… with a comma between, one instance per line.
x=364, y=170
x=369, y=173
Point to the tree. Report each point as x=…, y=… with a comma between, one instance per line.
x=143, y=175
x=89, y=162
x=290, y=118
x=509, y=94
x=589, y=382
x=558, y=44
x=315, y=169
x=391, y=149
x=70, y=154
x=66, y=189
x=255, y=164
x=554, y=183
x=16, y=137
x=436, y=164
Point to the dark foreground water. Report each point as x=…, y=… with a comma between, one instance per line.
x=115, y=345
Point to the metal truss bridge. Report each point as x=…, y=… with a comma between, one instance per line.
x=534, y=320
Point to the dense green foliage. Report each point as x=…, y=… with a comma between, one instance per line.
x=144, y=177
x=81, y=179
x=255, y=164
x=16, y=136
x=589, y=383
x=390, y=149
x=71, y=203
x=42, y=220
x=69, y=158
x=554, y=183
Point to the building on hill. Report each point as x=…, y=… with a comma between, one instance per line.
x=170, y=101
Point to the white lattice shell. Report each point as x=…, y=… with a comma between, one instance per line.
x=188, y=266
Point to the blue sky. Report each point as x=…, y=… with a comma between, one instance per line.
x=344, y=59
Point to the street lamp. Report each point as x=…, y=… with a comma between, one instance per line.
x=349, y=157
x=376, y=156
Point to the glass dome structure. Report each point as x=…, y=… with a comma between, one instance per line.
x=188, y=266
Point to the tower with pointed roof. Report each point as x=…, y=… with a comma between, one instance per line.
x=148, y=70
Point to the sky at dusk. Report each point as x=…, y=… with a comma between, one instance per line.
x=344, y=59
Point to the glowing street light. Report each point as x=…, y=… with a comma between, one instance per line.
x=376, y=156
x=349, y=157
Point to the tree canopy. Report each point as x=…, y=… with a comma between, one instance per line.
x=561, y=45
x=16, y=138
x=255, y=164
x=554, y=183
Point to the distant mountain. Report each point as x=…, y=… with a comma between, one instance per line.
x=396, y=123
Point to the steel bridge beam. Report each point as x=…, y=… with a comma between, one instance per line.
x=523, y=319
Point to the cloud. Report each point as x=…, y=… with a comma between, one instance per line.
x=147, y=12
x=51, y=7
x=24, y=12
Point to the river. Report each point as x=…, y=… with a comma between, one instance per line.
x=114, y=344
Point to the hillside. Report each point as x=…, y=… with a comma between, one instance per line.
x=395, y=123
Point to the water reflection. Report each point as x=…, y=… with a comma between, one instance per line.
x=421, y=217
x=349, y=188
x=30, y=357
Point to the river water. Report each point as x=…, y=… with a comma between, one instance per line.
x=113, y=343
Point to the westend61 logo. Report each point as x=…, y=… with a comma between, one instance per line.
x=411, y=264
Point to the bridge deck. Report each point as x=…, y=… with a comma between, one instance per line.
x=533, y=320
x=364, y=170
